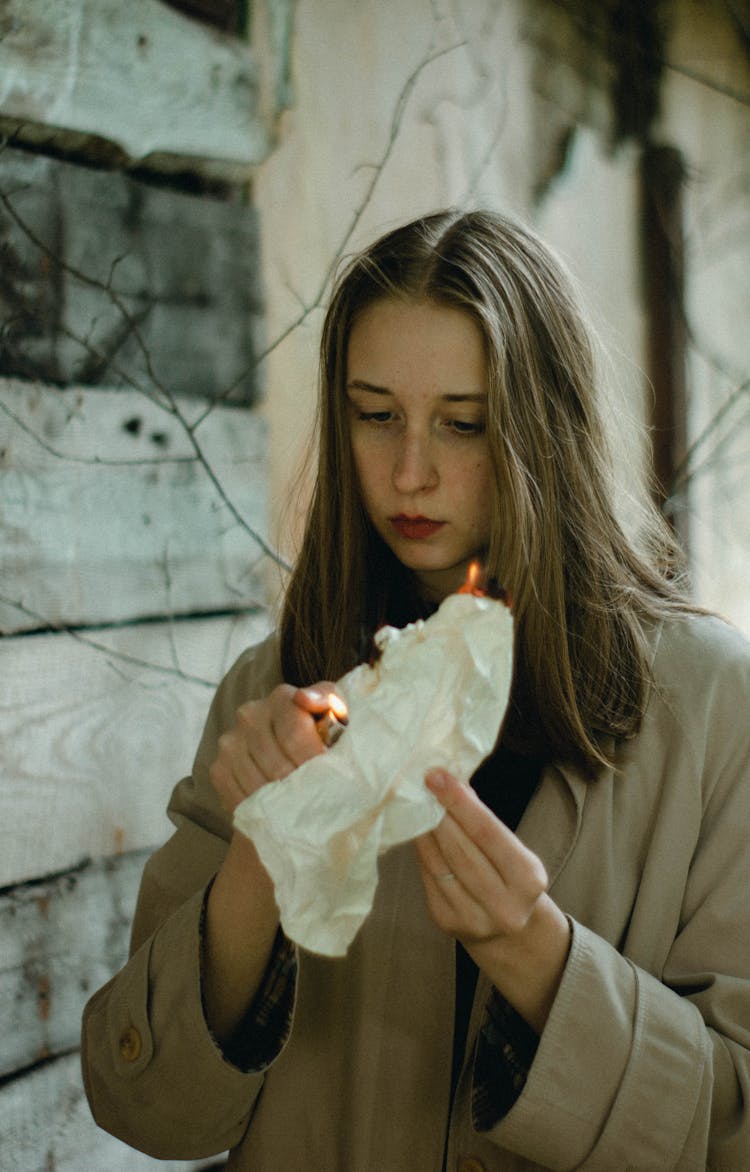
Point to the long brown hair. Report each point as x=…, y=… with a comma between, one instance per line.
x=583, y=593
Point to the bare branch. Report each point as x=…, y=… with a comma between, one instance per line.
x=377, y=171
x=45, y=626
x=102, y=287
x=135, y=461
x=600, y=35
x=687, y=470
x=166, y=402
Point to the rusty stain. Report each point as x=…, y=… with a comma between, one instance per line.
x=44, y=997
x=43, y=904
x=119, y=840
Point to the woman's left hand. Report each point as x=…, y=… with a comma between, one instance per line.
x=489, y=891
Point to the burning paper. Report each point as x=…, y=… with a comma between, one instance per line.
x=435, y=697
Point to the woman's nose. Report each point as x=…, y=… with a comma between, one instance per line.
x=414, y=467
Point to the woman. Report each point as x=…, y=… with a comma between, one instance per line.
x=574, y=996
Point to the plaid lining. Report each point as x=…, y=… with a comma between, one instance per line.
x=505, y=1051
x=506, y=1045
x=265, y=1027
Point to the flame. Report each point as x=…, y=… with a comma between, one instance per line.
x=331, y=723
x=337, y=707
x=474, y=583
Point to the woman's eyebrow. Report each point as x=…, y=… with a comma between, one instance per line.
x=358, y=384
x=465, y=397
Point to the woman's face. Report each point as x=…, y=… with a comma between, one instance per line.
x=417, y=399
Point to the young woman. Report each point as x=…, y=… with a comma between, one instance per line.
x=574, y=995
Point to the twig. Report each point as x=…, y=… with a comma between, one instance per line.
x=170, y=404
x=90, y=460
x=377, y=171
x=46, y=626
x=102, y=287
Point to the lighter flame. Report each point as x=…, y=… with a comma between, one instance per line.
x=337, y=707
x=472, y=585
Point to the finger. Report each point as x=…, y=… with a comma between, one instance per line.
x=260, y=746
x=228, y=788
x=447, y=873
x=432, y=862
x=515, y=863
x=476, y=898
x=297, y=725
x=451, y=905
x=315, y=699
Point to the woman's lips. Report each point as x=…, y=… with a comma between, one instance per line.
x=415, y=528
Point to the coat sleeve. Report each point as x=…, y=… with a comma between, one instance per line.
x=153, y=1074
x=651, y=1070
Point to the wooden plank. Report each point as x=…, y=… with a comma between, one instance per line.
x=107, y=279
x=228, y=15
x=91, y=743
x=62, y=939
x=102, y=522
x=46, y=1126
x=152, y=85
x=663, y=176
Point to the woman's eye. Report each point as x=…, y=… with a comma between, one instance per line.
x=375, y=416
x=468, y=427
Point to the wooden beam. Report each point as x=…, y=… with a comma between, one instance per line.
x=95, y=733
x=110, y=281
x=45, y=1125
x=662, y=178
x=135, y=84
x=228, y=15
x=62, y=939
x=108, y=518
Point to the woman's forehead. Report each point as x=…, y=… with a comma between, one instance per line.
x=392, y=339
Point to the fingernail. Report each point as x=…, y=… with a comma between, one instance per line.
x=436, y=779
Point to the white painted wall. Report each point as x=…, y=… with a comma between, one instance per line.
x=398, y=109
x=707, y=114
x=480, y=125
x=155, y=85
x=147, y=557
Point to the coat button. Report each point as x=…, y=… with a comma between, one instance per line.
x=130, y=1044
x=471, y=1164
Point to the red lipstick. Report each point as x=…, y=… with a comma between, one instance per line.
x=415, y=528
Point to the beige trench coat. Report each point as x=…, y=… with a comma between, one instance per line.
x=644, y=1061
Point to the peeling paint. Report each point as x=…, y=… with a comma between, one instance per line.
x=53, y=960
x=98, y=70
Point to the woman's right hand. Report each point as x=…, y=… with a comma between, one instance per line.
x=268, y=740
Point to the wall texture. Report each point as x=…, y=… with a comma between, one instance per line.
x=142, y=500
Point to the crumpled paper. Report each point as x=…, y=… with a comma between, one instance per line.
x=435, y=697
